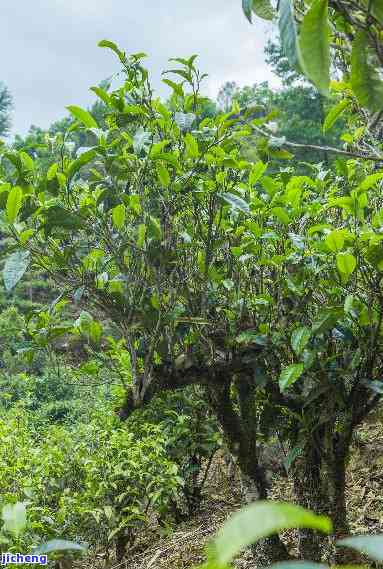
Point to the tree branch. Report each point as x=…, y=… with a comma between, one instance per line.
x=377, y=158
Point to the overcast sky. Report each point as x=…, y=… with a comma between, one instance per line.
x=50, y=58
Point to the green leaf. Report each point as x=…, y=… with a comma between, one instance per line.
x=83, y=116
x=335, y=241
x=14, y=158
x=259, y=520
x=288, y=32
x=182, y=73
x=111, y=45
x=370, y=181
x=177, y=87
x=187, y=62
x=289, y=375
x=14, y=517
x=191, y=145
x=169, y=157
x=315, y=45
x=374, y=255
x=102, y=94
x=299, y=339
x=57, y=216
x=252, y=337
x=281, y=214
x=236, y=202
x=52, y=171
x=154, y=228
x=141, y=234
x=365, y=80
x=325, y=321
x=335, y=113
x=263, y=9
x=14, y=268
x=77, y=164
x=346, y=264
x=118, y=216
x=163, y=175
x=26, y=235
x=95, y=331
x=135, y=203
x=84, y=321
x=257, y=172
x=158, y=147
x=371, y=545
x=155, y=301
x=59, y=545
x=247, y=6
x=14, y=201
x=377, y=10
x=27, y=161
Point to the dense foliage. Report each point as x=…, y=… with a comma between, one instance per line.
x=189, y=275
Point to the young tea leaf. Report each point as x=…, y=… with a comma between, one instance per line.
x=83, y=116
x=257, y=172
x=335, y=241
x=346, y=264
x=370, y=181
x=191, y=146
x=77, y=164
x=334, y=114
x=163, y=175
x=118, y=216
x=14, y=201
x=111, y=45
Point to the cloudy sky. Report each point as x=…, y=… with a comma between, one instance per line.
x=50, y=56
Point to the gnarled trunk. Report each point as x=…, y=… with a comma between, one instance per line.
x=336, y=475
x=240, y=430
x=320, y=484
x=309, y=493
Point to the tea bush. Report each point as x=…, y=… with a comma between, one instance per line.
x=97, y=482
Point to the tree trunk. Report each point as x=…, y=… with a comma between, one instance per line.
x=320, y=485
x=240, y=430
x=338, y=498
x=269, y=550
x=336, y=476
x=308, y=490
